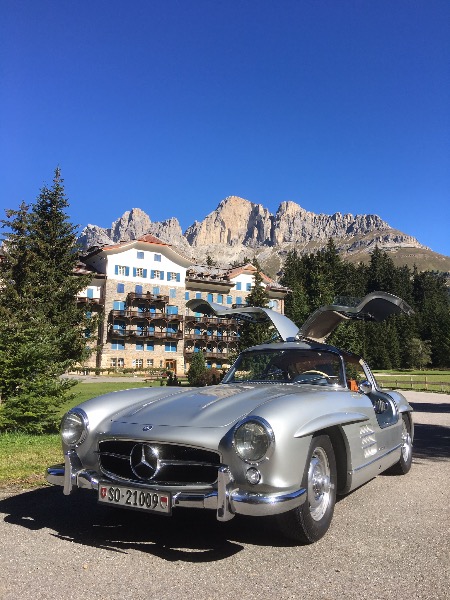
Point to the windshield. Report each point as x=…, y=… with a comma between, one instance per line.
x=287, y=366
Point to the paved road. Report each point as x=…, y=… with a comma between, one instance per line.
x=389, y=539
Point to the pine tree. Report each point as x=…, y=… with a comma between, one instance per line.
x=252, y=334
x=41, y=327
x=197, y=370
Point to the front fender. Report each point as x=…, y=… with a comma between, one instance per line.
x=331, y=420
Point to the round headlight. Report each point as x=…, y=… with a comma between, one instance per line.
x=252, y=440
x=74, y=427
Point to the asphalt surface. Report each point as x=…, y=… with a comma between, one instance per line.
x=388, y=539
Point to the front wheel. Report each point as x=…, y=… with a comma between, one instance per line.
x=310, y=521
x=404, y=464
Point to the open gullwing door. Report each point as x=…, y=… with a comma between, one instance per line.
x=253, y=314
x=376, y=306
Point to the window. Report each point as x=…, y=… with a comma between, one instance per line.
x=139, y=272
x=229, y=300
x=249, y=287
x=238, y=285
x=117, y=363
x=117, y=345
x=139, y=346
x=186, y=295
x=120, y=288
x=210, y=297
x=171, y=329
x=155, y=274
x=140, y=255
x=138, y=363
x=170, y=346
x=157, y=257
x=118, y=305
x=149, y=363
x=198, y=295
x=119, y=326
x=173, y=276
x=239, y=300
x=156, y=292
x=220, y=298
x=150, y=346
x=172, y=310
x=122, y=270
x=172, y=293
x=138, y=289
x=90, y=292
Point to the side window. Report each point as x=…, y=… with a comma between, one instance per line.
x=354, y=373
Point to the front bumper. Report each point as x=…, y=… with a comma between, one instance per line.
x=227, y=500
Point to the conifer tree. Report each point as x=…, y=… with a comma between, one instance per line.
x=41, y=327
x=252, y=334
x=197, y=370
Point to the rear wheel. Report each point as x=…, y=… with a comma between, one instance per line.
x=310, y=521
x=404, y=464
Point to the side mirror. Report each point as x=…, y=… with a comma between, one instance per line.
x=365, y=387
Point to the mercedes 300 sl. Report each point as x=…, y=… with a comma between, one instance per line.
x=293, y=423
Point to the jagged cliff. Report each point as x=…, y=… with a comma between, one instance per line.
x=239, y=228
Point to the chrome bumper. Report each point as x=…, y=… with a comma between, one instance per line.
x=227, y=500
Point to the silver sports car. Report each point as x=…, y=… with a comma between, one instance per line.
x=293, y=423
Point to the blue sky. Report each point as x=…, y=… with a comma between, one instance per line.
x=172, y=105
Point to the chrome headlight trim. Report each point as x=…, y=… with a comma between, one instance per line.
x=253, y=455
x=74, y=427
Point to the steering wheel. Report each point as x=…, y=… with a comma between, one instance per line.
x=311, y=376
x=314, y=371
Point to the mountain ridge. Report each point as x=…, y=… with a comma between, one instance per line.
x=239, y=227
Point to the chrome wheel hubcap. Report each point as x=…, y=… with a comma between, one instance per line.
x=406, y=443
x=319, y=484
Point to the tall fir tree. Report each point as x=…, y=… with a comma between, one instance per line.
x=251, y=334
x=41, y=327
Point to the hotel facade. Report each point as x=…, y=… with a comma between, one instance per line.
x=139, y=290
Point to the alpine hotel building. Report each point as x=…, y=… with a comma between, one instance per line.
x=140, y=289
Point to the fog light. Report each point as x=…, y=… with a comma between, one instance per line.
x=253, y=476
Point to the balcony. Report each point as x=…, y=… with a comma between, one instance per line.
x=145, y=334
x=213, y=336
x=90, y=301
x=131, y=296
x=132, y=313
x=212, y=320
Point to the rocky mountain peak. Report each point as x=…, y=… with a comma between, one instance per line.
x=238, y=228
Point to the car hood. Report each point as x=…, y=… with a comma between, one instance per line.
x=215, y=406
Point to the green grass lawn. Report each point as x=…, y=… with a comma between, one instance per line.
x=24, y=458
x=432, y=381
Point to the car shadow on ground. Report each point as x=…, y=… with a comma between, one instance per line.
x=431, y=442
x=189, y=535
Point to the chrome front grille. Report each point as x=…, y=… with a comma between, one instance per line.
x=156, y=462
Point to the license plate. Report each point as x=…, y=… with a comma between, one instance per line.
x=136, y=498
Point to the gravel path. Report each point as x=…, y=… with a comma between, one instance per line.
x=389, y=539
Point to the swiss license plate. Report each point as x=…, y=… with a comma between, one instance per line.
x=136, y=498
